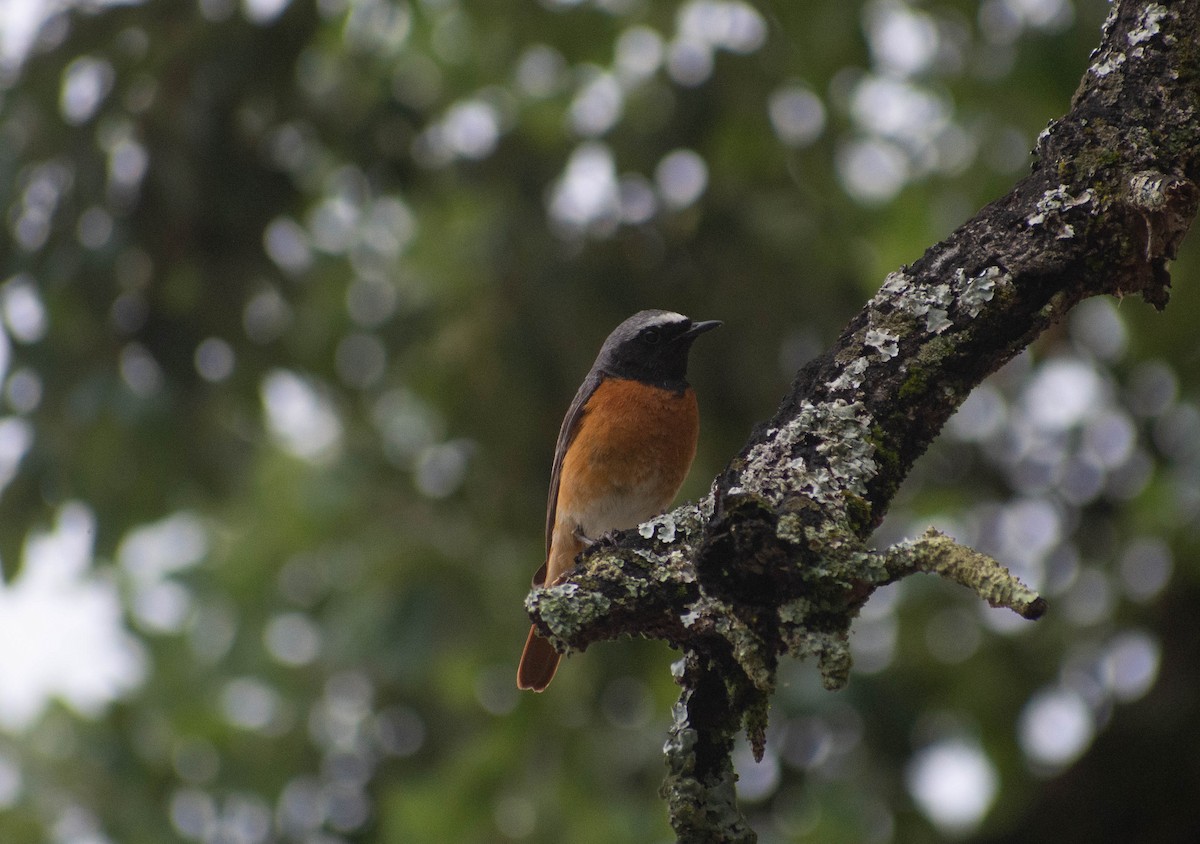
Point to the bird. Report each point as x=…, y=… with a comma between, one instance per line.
x=624, y=449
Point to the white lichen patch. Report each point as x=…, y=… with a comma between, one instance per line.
x=1053, y=204
x=852, y=375
x=1146, y=189
x=895, y=283
x=937, y=320
x=885, y=344
x=975, y=291
x=1148, y=26
x=663, y=525
x=1107, y=66
x=1109, y=21
x=932, y=302
x=841, y=430
x=1057, y=200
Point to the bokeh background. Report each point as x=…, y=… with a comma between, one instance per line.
x=294, y=295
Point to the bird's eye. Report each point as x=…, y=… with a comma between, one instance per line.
x=651, y=336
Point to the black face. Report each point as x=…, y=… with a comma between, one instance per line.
x=652, y=346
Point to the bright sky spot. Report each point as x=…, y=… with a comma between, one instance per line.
x=1109, y=438
x=1029, y=528
x=390, y=226
x=756, y=780
x=1097, y=328
x=148, y=556
x=471, y=128
x=541, y=71
x=140, y=371
x=24, y=313
x=689, y=63
x=586, y=195
x=872, y=171
x=1051, y=15
x=1063, y=393
x=61, y=629
x=639, y=53
x=903, y=41
x=333, y=224
x=214, y=359
x=981, y=416
x=954, y=783
x=292, y=639
x=16, y=435
x=86, y=82
x=301, y=416
x=1131, y=664
x=1056, y=726
x=733, y=26
x=23, y=392
x=193, y=813
x=440, y=469
x=681, y=177
x=597, y=107
x=897, y=109
x=378, y=25
x=287, y=244
x=249, y=703
x=797, y=115
x=264, y=11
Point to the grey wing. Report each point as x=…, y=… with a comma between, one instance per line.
x=566, y=434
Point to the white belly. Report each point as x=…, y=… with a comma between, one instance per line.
x=627, y=509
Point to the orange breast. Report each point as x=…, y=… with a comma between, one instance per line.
x=632, y=452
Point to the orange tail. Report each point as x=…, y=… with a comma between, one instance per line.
x=539, y=661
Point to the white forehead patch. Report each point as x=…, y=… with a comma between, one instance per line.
x=666, y=318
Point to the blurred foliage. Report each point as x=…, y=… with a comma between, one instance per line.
x=295, y=295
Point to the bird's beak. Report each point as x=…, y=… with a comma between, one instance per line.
x=699, y=328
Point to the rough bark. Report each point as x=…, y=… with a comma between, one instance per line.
x=774, y=560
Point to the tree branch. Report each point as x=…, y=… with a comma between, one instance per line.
x=774, y=560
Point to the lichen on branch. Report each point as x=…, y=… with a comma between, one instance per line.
x=774, y=561
x=936, y=553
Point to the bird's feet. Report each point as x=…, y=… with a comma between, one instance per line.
x=607, y=538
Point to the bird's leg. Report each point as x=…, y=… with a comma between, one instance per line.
x=585, y=540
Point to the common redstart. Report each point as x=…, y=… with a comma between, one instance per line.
x=623, y=451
